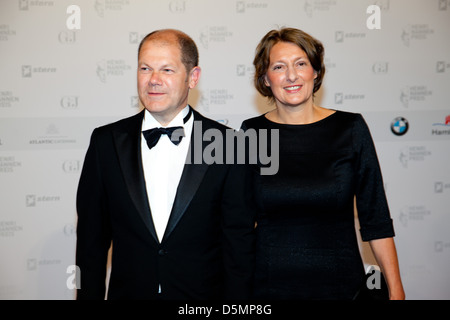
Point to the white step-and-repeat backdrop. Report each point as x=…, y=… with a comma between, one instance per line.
x=68, y=66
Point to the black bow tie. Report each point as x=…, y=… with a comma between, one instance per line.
x=175, y=134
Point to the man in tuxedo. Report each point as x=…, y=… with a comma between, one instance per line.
x=178, y=228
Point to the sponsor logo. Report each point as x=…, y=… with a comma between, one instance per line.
x=399, y=126
x=441, y=128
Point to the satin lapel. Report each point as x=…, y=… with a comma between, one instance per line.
x=190, y=180
x=128, y=142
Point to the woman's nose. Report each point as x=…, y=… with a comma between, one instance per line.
x=291, y=74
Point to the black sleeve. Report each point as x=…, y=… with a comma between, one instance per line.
x=371, y=202
x=93, y=229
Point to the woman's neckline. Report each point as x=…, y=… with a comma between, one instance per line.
x=301, y=125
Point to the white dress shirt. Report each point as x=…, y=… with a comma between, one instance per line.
x=163, y=166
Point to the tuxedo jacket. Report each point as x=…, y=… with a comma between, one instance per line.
x=207, y=251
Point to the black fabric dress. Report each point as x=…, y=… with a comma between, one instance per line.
x=306, y=239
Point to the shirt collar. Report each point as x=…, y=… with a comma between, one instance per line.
x=150, y=122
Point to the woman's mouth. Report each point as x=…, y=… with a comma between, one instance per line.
x=293, y=89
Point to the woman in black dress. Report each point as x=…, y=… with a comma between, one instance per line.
x=306, y=240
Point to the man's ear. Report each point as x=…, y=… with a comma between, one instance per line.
x=194, y=76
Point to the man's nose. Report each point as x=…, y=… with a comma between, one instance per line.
x=155, y=79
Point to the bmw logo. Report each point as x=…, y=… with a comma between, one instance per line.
x=399, y=126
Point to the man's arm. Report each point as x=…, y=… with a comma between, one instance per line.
x=93, y=229
x=238, y=223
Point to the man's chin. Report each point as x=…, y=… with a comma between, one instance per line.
x=155, y=107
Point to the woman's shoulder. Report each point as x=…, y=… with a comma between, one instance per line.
x=350, y=119
x=352, y=116
x=254, y=122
